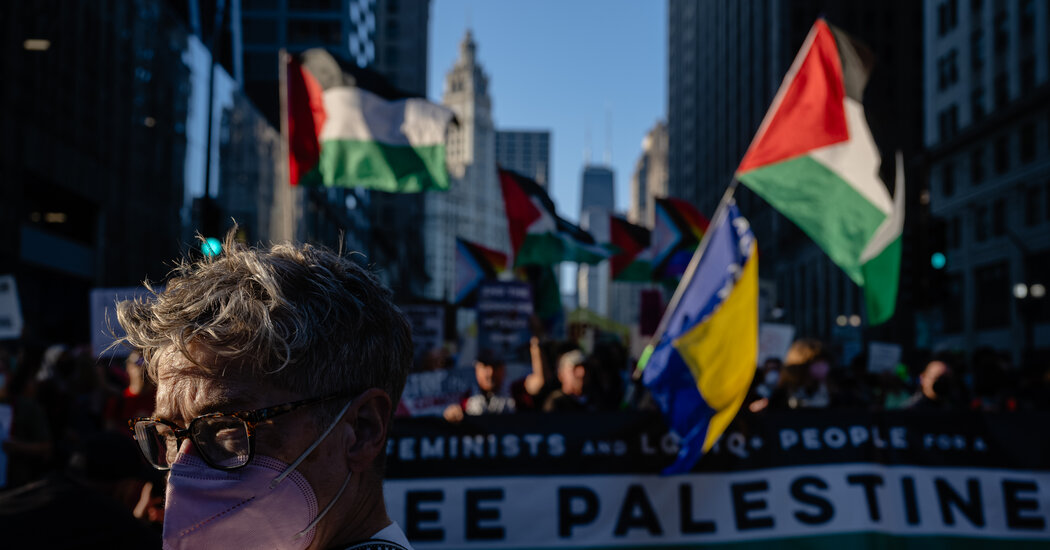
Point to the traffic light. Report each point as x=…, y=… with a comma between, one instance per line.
x=211, y=247
x=937, y=256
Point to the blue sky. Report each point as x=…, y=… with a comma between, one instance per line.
x=562, y=65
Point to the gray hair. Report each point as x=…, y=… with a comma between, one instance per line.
x=297, y=317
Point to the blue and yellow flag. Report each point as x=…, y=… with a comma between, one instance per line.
x=700, y=368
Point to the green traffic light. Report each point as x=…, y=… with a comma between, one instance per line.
x=211, y=247
x=938, y=260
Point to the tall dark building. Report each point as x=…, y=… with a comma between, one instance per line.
x=92, y=152
x=726, y=59
x=987, y=121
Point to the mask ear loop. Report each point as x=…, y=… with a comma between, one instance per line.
x=291, y=468
x=317, y=519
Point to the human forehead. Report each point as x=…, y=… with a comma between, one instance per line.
x=189, y=388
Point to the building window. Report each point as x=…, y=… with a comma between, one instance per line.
x=1002, y=89
x=260, y=31
x=1027, y=18
x=977, y=50
x=1028, y=142
x=947, y=16
x=977, y=110
x=993, y=295
x=980, y=224
x=955, y=233
x=953, y=311
x=947, y=70
x=1031, y=206
x=1002, y=155
x=999, y=217
x=977, y=166
x=948, y=122
x=1002, y=34
x=947, y=179
x=1028, y=74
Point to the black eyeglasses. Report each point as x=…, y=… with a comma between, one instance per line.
x=224, y=440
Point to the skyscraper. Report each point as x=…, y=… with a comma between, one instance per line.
x=597, y=202
x=986, y=96
x=649, y=180
x=473, y=207
x=527, y=152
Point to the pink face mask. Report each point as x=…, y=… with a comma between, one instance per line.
x=265, y=504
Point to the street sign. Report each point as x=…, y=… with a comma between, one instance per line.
x=10, y=309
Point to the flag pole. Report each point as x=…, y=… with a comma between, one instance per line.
x=720, y=213
x=282, y=78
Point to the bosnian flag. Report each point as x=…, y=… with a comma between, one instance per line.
x=815, y=161
x=347, y=127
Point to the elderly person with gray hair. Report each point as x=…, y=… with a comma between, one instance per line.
x=277, y=371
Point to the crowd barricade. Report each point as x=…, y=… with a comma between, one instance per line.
x=830, y=478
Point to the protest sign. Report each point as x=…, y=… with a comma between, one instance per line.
x=849, y=479
x=10, y=309
x=883, y=356
x=104, y=325
x=504, y=309
x=428, y=327
x=774, y=340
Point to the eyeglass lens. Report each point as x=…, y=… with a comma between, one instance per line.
x=220, y=440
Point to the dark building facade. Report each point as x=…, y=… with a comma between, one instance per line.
x=988, y=137
x=93, y=152
x=726, y=60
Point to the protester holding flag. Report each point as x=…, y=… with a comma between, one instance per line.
x=702, y=360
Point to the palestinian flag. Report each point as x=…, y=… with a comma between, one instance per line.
x=814, y=160
x=677, y=231
x=474, y=265
x=348, y=128
x=632, y=261
x=538, y=236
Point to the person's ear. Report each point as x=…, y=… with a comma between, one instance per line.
x=369, y=418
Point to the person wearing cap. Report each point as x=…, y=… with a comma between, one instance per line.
x=88, y=505
x=278, y=371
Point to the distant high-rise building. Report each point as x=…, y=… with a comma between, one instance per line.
x=473, y=207
x=649, y=180
x=527, y=152
x=726, y=60
x=987, y=91
x=597, y=202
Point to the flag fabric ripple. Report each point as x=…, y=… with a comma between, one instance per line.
x=700, y=368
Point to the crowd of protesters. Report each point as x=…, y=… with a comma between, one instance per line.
x=565, y=379
x=65, y=439
x=68, y=409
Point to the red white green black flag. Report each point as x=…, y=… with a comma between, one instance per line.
x=815, y=161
